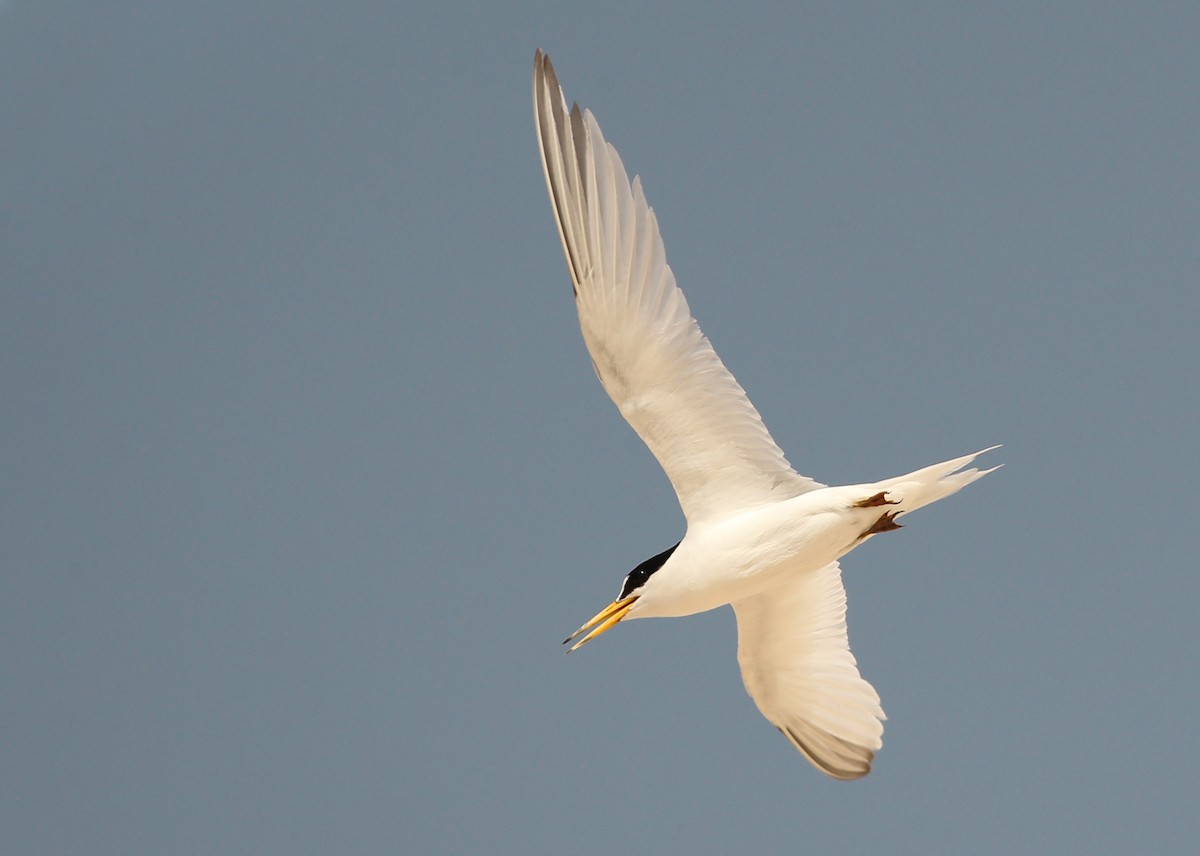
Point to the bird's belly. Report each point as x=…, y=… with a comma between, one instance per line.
x=743, y=557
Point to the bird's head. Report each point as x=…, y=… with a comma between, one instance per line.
x=631, y=590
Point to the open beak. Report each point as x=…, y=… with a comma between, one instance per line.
x=601, y=621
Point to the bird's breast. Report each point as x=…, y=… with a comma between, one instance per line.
x=744, y=555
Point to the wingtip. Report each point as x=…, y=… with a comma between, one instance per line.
x=543, y=68
x=844, y=762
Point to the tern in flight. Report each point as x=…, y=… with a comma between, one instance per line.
x=760, y=536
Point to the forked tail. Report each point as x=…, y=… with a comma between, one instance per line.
x=930, y=484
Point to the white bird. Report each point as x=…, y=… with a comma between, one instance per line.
x=759, y=535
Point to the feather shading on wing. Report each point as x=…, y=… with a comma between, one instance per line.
x=797, y=666
x=648, y=351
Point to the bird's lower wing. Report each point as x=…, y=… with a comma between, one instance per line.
x=797, y=666
x=648, y=351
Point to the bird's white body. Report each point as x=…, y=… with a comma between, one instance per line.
x=760, y=536
x=749, y=552
x=756, y=549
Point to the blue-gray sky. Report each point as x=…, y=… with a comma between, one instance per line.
x=305, y=472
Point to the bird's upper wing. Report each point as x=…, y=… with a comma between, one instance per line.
x=797, y=666
x=647, y=349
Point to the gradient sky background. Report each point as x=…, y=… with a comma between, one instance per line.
x=305, y=472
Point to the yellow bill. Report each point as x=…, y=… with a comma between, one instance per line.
x=601, y=621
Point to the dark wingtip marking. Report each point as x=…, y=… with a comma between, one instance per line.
x=844, y=774
x=551, y=130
